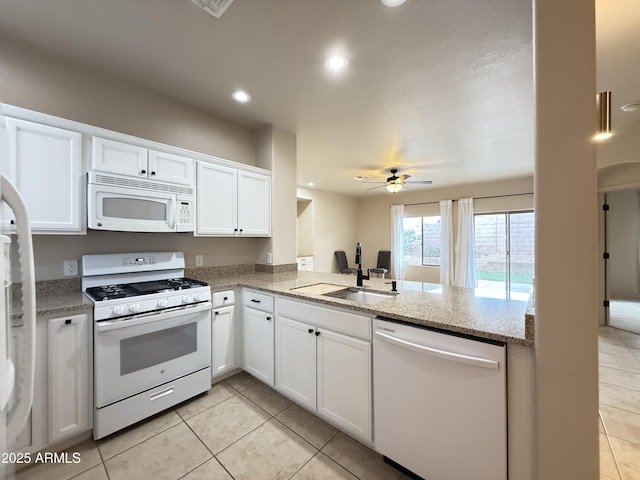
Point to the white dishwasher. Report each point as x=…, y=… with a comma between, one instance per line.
x=440, y=402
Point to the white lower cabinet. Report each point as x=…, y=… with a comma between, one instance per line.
x=323, y=370
x=68, y=353
x=296, y=361
x=63, y=399
x=223, y=338
x=257, y=334
x=344, y=382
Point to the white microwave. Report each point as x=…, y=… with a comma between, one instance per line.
x=120, y=203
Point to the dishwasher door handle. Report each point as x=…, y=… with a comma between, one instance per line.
x=437, y=353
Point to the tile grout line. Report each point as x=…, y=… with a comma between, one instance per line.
x=613, y=453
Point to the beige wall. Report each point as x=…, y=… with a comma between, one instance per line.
x=374, y=217
x=334, y=225
x=304, y=228
x=56, y=86
x=566, y=336
x=277, y=152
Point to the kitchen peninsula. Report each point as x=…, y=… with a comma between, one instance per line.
x=457, y=309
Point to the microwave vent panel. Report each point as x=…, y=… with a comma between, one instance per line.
x=213, y=7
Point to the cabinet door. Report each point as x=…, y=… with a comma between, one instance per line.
x=45, y=164
x=296, y=361
x=344, y=382
x=171, y=168
x=68, y=353
x=258, y=344
x=217, y=197
x=117, y=157
x=34, y=434
x=254, y=204
x=223, y=337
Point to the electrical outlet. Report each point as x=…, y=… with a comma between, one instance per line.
x=199, y=260
x=70, y=268
x=269, y=258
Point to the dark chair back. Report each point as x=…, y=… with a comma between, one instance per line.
x=343, y=264
x=384, y=259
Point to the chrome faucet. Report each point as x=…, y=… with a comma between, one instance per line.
x=360, y=276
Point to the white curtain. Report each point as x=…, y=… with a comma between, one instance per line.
x=397, y=242
x=446, y=242
x=465, y=270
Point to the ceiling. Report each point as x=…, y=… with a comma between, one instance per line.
x=441, y=89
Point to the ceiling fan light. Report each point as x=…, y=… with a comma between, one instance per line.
x=394, y=187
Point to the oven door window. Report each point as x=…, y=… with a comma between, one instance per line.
x=149, y=349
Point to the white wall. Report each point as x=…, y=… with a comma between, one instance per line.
x=374, y=218
x=334, y=225
x=623, y=228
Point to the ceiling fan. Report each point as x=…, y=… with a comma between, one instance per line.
x=394, y=183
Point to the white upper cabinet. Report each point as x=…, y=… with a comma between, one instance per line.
x=131, y=160
x=232, y=202
x=254, y=204
x=167, y=167
x=45, y=165
x=216, y=200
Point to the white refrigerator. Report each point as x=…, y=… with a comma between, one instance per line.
x=16, y=378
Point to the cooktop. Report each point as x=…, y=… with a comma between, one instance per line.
x=124, y=290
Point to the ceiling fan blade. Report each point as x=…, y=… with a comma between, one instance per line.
x=373, y=182
x=423, y=182
x=404, y=177
x=373, y=188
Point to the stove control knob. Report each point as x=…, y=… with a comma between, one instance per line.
x=198, y=297
x=134, y=307
x=119, y=310
x=163, y=302
x=187, y=299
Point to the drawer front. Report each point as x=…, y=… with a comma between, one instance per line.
x=326, y=317
x=222, y=299
x=257, y=300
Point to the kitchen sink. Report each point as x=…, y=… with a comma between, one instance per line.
x=358, y=295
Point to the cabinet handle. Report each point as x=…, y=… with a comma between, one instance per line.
x=255, y=301
x=153, y=173
x=317, y=333
x=143, y=171
x=67, y=322
x=311, y=330
x=226, y=298
x=241, y=230
x=13, y=222
x=216, y=313
x=268, y=318
x=235, y=229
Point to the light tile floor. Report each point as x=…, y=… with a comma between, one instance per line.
x=242, y=429
x=619, y=364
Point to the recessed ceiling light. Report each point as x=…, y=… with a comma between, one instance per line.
x=241, y=96
x=311, y=184
x=361, y=177
x=336, y=63
x=392, y=3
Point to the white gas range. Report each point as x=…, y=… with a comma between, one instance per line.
x=152, y=335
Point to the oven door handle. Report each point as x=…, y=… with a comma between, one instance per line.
x=152, y=317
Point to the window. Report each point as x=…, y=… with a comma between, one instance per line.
x=505, y=253
x=421, y=240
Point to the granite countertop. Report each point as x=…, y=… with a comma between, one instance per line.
x=457, y=309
